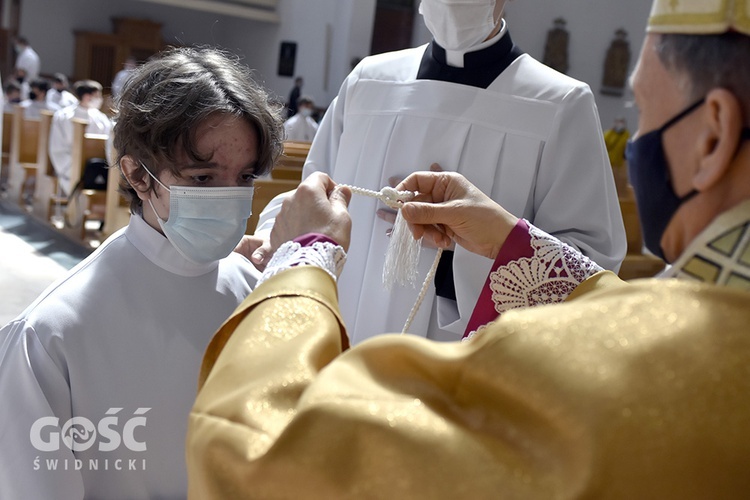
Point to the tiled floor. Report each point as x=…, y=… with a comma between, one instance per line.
x=32, y=256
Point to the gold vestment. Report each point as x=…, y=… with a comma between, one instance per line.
x=624, y=391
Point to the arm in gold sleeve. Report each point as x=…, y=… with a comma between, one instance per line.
x=254, y=371
x=637, y=391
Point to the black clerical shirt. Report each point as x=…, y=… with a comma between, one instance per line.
x=481, y=68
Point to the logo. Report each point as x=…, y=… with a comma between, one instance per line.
x=80, y=434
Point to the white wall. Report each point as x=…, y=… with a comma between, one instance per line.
x=591, y=24
x=306, y=22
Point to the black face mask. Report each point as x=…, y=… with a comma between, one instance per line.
x=33, y=96
x=649, y=174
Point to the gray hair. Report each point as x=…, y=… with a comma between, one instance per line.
x=710, y=61
x=166, y=99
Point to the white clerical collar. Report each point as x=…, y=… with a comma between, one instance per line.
x=157, y=248
x=455, y=58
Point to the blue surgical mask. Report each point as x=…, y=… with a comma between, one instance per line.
x=648, y=170
x=205, y=223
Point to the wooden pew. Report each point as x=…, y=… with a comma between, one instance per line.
x=117, y=210
x=285, y=176
x=287, y=173
x=5, y=161
x=46, y=180
x=24, y=140
x=294, y=154
x=90, y=204
x=265, y=191
x=290, y=163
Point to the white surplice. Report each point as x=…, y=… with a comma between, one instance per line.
x=532, y=141
x=125, y=329
x=300, y=128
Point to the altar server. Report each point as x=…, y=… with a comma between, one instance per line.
x=98, y=374
x=472, y=102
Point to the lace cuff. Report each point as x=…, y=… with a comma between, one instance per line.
x=533, y=268
x=323, y=254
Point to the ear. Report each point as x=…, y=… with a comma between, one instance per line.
x=722, y=127
x=141, y=183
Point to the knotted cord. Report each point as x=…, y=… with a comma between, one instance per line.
x=401, y=254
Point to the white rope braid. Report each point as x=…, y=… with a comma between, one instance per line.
x=402, y=257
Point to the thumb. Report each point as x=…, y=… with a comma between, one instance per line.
x=341, y=196
x=426, y=213
x=260, y=255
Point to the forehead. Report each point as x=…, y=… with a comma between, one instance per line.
x=653, y=83
x=226, y=140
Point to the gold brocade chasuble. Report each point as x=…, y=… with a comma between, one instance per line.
x=625, y=391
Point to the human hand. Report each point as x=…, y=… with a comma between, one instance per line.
x=450, y=208
x=318, y=205
x=389, y=215
x=256, y=249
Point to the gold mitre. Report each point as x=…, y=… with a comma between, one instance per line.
x=699, y=17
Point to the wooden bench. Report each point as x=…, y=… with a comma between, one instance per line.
x=90, y=204
x=292, y=159
x=24, y=142
x=117, y=211
x=7, y=127
x=294, y=154
x=265, y=191
x=46, y=180
x=287, y=173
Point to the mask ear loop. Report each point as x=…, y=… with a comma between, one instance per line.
x=153, y=176
x=161, y=184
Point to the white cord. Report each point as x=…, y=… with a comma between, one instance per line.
x=388, y=195
x=427, y=280
x=395, y=199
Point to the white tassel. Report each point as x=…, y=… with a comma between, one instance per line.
x=402, y=257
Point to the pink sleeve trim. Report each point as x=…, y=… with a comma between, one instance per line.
x=516, y=246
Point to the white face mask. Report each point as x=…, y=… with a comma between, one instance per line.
x=205, y=223
x=459, y=24
x=305, y=112
x=96, y=102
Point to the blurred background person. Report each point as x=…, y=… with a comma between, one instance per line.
x=89, y=94
x=59, y=97
x=122, y=76
x=616, y=138
x=294, y=95
x=37, y=100
x=12, y=91
x=301, y=127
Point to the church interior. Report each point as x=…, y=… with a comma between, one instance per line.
x=209, y=209
x=280, y=40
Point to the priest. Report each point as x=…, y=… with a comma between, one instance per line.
x=622, y=391
x=472, y=102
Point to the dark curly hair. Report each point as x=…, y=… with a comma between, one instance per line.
x=166, y=99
